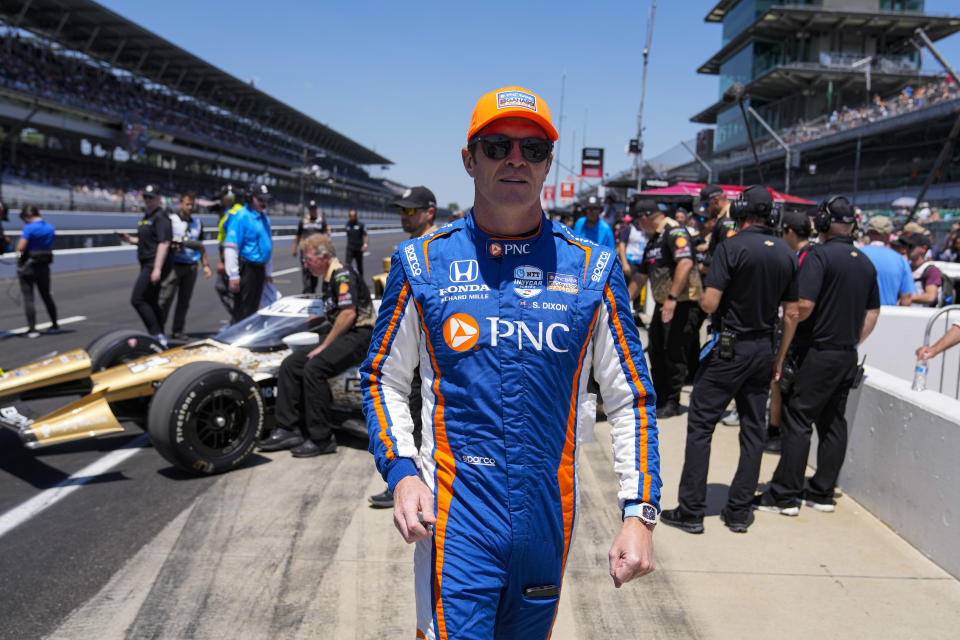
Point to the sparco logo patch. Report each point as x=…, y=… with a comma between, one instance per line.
x=480, y=460
x=460, y=332
x=601, y=265
x=412, y=260
x=464, y=271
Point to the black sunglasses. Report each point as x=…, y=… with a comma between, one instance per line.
x=498, y=147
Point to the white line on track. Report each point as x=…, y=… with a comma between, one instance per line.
x=284, y=272
x=41, y=326
x=27, y=510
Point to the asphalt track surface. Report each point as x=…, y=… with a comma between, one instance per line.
x=61, y=556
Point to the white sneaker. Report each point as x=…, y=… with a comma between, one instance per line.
x=162, y=339
x=33, y=334
x=732, y=419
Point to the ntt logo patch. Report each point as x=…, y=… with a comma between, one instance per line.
x=479, y=460
x=460, y=332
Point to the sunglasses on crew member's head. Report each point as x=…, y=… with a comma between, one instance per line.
x=497, y=147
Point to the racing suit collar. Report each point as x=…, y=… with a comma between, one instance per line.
x=334, y=266
x=497, y=246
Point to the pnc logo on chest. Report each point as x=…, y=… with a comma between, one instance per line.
x=498, y=248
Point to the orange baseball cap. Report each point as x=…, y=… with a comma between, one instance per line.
x=511, y=102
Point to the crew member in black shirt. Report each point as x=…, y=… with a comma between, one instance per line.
x=356, y=242
x=839, y=306
x=153, y=238
x=310, y=225
x=752, y=274
x=303, y=393
x=718, y=224
x=668, y=261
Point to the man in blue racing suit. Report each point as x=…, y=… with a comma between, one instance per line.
x=506, y=313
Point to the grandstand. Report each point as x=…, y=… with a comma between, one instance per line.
x=92, y=106
x=842, y=84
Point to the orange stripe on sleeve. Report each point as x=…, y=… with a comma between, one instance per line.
x=375, y=369
x=641, y=391
x=426, y=253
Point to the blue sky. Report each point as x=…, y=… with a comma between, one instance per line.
x=402, y=78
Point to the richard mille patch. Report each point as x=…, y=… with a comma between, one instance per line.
x=527, y=281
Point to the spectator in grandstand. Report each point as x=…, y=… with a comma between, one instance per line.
x=187, y=233
x=33, y=267
x=926, y=276
x=303, y=393
x=312, y=224
x=356, y=241
x=247, y=250
x=951, y=246
x=228, y=201
x=894, y=275
x=592, y=227
x=153, y=252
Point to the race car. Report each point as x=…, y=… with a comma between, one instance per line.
x=204, y=404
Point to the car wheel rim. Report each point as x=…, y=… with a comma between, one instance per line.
x=219, y=423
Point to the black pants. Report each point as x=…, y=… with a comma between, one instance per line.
x=252, y=277
x=222, y=287
x=693, y=349
x=303, y=393
x=309, y=281
x=180, y=283
x=146, y=298
x=669, y=349
x=819, y=397
x=357, y=256
x=37, y=275
x=746, y=377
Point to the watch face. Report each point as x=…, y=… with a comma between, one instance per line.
x=648, y=513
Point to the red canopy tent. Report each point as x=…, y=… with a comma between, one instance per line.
x=685, y=190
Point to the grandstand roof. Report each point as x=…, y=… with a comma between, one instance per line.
x=94, y=30
x=779, y=23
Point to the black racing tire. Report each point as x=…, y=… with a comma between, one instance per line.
x=206, y=418
x=120, y=346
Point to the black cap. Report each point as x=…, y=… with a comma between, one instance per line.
x=756, y=194
x=840, y=210
x=798, y=221
x=644, y=207
x=312, y=204
x=151, y=191
x=917, y=240
x=593, y=202
x=416, y=198
x=710, y=190
x=260, y=191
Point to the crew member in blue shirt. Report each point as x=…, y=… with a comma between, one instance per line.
x=33, y=267
x=246, y=251
x=593, y=228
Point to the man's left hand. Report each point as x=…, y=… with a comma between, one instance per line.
x=666, y=312
x=206, y=271
x=631, y=555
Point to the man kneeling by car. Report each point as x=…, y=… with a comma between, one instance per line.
x=303, y=393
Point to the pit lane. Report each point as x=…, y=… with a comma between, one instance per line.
x=65, y=553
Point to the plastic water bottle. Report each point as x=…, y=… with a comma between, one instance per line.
x=920, y=375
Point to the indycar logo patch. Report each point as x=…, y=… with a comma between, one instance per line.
x=460, y=332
